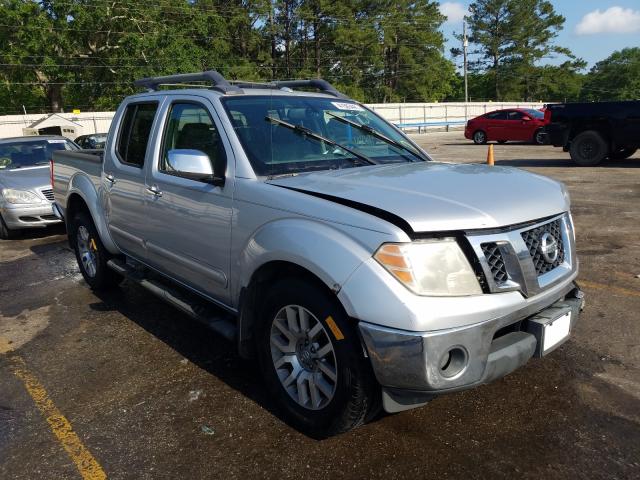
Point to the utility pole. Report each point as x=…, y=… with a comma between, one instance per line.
x=465, y=45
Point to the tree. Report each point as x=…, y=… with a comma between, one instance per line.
x=535, y=25
x=74, y=53
x=512, y=36
x=491, y=27
x=615, y=78
x=414, y=66
x=559, y=83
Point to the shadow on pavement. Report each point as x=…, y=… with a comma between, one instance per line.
x=191, y=339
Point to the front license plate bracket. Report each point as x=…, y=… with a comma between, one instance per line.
x=551, y=328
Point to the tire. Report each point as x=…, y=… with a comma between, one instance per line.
x=479, y=137
x=5, y=232
x=588, y=149
x=335, y=389
x=91, y=255
x=623, y=153
x=502, y=142
x=539, y=137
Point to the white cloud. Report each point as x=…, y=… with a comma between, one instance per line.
x=454, y=11
x=612, y=20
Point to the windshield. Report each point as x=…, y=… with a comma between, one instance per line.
x=264, y=126
x=31, y=153
x=534, y=113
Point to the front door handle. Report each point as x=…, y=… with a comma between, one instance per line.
x=110, y=178
x=153, y=190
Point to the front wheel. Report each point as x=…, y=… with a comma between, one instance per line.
x=539, y=138
x=91, y=254
x=5, y=232
x=312, y=360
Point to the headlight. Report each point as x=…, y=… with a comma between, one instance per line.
x=19, y=196
x=430, y=267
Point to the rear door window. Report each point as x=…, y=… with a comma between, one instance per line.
x=515, y=115
x=497, y=116
x=135, y=132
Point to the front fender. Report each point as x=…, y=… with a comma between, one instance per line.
x=81, y=185
x=328, y=252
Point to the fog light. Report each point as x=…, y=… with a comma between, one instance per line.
x=453, y=362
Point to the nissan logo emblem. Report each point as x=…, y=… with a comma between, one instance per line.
x=549, y=247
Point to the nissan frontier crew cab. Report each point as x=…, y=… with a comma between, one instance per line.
x=358, y=273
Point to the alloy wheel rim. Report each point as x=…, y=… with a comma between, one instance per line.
x=303, y=357
x=86, y=251
x=479, y=137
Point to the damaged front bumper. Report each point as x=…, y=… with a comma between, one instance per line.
x=414, y=367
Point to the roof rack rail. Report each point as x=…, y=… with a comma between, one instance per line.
x=319, y=83
x=219, y=83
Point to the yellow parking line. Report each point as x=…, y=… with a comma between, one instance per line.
x=600, y=286
x=87, y=465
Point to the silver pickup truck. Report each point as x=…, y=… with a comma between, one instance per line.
x=356, y=271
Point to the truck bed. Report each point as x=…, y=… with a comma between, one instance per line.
x=67, y=165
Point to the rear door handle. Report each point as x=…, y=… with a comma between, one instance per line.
x=153, y=190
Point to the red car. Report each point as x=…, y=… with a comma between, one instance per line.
x=521, y=124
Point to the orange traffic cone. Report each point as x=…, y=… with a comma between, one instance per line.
x=490, y=159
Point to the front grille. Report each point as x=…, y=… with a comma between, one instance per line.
x=533, y=239
x=48, y=194
x=496, y=262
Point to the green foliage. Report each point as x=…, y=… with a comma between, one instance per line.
x=512, y=37
x=615, y=78
x=85, y=54
x=64, y=54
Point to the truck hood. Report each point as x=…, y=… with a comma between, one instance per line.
x=432, y=196
x=30, y=178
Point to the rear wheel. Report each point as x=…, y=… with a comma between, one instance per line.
x=5, y=232
x=479, y=137
x=312, y=360
x=539, y=138
x=91, y=254
x=623, y=153
x=502, y=142
x=589, y=149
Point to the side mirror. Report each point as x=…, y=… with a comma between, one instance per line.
x=526, y=119
x=193, y=164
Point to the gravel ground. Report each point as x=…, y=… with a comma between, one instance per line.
x=151, y=394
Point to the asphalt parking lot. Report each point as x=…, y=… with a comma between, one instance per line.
x=122, y=385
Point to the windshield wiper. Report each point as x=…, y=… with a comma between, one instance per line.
x=305, y=132
x=378, y=135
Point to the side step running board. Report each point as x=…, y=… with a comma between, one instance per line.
x=196, y=307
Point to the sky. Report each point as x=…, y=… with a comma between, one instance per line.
x=593, y=29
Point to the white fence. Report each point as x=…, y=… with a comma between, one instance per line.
x=418, y=116
x=408, y=116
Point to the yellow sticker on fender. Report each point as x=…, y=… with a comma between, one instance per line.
x=334, y=328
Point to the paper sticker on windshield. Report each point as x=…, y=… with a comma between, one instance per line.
x=56, y=141
x=348, y=106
